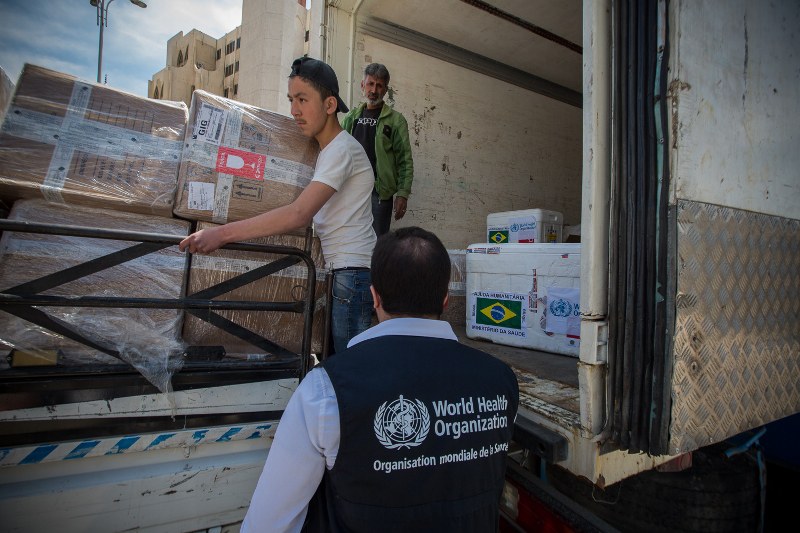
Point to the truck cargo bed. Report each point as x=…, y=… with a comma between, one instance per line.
x=548, y=382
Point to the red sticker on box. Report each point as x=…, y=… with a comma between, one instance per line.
x=241, y=163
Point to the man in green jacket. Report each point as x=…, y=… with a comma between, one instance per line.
x=383, y=132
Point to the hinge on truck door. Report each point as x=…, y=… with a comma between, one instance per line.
x=594, y=342
x=547, y=444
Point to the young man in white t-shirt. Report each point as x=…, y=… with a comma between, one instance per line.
x=337, y=200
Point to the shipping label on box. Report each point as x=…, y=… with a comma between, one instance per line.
x=240, y=161
x=564, y=318
x=498, y=313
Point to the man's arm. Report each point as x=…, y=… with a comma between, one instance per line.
x=296, y=215
x=403, y=161
x=306, y=442
x=405, y=167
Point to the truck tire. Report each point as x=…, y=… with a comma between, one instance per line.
x=716, y=494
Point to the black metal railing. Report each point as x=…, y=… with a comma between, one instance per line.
x=24, y=300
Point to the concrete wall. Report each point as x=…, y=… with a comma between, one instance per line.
x=480, y=145
x=272, y=35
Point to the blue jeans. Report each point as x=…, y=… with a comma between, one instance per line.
x=351, y=310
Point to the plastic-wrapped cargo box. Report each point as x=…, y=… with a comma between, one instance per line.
x=240, y=161
x=524, y=226
x=71, y=141
x=286, y=285
x=525, y=295
x=148, y=339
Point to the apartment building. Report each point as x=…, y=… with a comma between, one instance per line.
x=198, y=61
x=249, y=64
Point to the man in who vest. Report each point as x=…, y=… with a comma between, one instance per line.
x=406, y=430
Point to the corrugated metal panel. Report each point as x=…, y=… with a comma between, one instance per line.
x=737, y=327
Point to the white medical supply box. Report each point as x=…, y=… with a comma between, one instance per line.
x=525, y=295
x=524, y=226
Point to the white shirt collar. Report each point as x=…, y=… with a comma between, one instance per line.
x=416, y=327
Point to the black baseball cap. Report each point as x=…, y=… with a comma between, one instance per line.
x=321, y=73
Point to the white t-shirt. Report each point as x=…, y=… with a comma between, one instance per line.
x=344, y=224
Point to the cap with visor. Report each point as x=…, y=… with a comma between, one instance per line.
x=321, y=73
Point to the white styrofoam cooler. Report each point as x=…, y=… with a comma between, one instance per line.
x=524, y=226
x=525, y=295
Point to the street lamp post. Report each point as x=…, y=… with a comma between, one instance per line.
x=102, y=21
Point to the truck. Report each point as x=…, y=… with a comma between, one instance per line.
x=662, y=129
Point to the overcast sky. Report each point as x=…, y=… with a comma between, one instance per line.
x=63, y=35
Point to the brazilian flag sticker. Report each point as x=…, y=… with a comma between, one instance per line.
x=498, y=236
x=499, y=313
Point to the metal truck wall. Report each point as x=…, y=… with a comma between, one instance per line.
x=480, y=145
x=737, y=327
x=735, y=93
x=736, y=195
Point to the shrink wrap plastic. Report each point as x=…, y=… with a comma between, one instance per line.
x=456, y=312
x=147, y=339
x=239, y=161
x=75, y=142
x=287, y=285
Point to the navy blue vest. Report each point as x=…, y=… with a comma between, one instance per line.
x=425, y=426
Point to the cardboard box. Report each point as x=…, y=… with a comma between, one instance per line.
x=76, y=142
x=144, y=336
x=240, y=161
x=525, y=295
x=455, y=312
x=524, y=226
x=288, y=285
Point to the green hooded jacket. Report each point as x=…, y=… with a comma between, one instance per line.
x=393, y=164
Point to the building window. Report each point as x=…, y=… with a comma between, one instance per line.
x=230, y=47
x=225, y=93
x=219, y=53
x=235, y=89
x=306, y=36
x=155, y=93
x=238, y=42
x=180, y=58
x=228, y=70
x=236, y=67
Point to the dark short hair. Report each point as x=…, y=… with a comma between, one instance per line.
x=411, y=272
x=323, y=91
x=377, y=70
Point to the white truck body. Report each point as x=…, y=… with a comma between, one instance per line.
x=179, y=480
x=489, y=136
